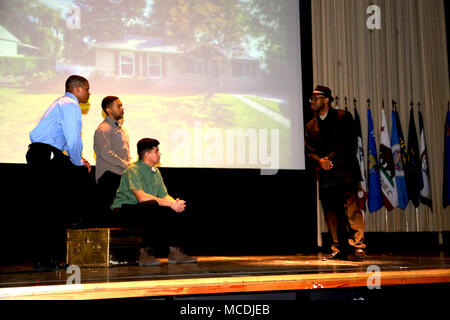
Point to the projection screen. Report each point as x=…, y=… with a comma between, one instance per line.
x=217, y=82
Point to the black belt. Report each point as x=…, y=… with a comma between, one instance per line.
x=40, y=145
x=40, y=149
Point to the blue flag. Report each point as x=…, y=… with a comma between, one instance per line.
x=446, y=186
x=375, y=199
x=398, y=163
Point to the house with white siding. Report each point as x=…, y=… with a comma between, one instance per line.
x=163, y=65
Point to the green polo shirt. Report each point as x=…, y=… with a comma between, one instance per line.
x=139, y=176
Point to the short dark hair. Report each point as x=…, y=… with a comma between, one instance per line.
x=75, y=81
x=108, y=101
x=146, y=144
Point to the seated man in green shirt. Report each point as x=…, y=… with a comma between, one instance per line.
x=143, y=199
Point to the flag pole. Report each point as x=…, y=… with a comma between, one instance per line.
x=416, y=209
x=407, y=222
x=417, y=219
x=373, y=215
x=427, y=227
x=396, y=213
x=426, y=222
x=362, y=209
x=405, y=215
x=319, y=224
x=385, y=209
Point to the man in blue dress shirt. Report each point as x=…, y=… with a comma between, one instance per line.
x=58, y=171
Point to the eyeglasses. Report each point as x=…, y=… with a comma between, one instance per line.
x=315, y=98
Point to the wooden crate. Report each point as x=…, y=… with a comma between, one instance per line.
x=102, y=247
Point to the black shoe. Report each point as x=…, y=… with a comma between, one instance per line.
x=336, y=255
x=360, y=254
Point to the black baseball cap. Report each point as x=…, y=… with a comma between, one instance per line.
x=325, y=91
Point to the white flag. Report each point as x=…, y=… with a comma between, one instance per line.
x=362, y=194
x=425, y=192
x=387, y=167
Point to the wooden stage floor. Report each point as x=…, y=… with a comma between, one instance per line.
x=225, y=275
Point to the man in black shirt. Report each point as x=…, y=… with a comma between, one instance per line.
x=330, y=143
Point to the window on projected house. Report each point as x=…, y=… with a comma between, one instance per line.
x=243, y=69
x=127, y=64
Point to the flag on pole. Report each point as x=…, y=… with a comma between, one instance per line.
x=403, y=151
x=362, y=194
x=425, y=192
x=414, y=174
x=375, y=199
x=387, y=168
x=398, y=161
x=446, y=186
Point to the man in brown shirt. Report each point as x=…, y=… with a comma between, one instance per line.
x=112, y=148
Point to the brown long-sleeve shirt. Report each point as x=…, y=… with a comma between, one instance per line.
x=112, y=148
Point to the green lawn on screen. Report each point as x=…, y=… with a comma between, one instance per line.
x=145, y=116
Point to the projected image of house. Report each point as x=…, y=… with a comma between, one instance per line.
x=165, y=65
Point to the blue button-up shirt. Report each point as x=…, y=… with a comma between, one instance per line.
x=60, y=127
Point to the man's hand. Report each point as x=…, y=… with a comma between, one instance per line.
x=178, y=205
x=325, y=164
x=86, y=164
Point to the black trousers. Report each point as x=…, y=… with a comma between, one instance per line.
x=160, y=226
x=107, y=186
x=56, y=191
x=343, y=217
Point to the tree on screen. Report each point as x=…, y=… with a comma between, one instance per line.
x=208, y=31
x=213, y=30
x=266, y=21
x=35, y=24
x=101, y=20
